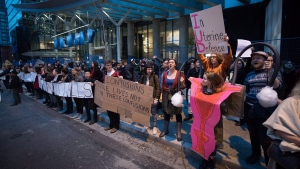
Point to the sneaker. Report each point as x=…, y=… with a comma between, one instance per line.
x=113, y=130
x=154, y=131
x=253, y=159
x=76, y=116
x=79, y=116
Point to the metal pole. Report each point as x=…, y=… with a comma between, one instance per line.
x=118, y=43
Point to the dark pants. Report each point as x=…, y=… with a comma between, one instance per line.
x=69, y=102
x=59, y=101
x=16, y=95
x=29, y=86
x=114, y=119
x=258, y=137
x=46, y=95
x=154, y=114
x=79, y=105
x=89, y=105
x=178, y=117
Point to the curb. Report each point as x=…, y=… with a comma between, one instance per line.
x=185, y=147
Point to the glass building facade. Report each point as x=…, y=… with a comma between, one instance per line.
x=4, y=36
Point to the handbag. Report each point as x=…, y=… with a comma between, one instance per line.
x=287, y=160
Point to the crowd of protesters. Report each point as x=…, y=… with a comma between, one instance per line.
x=162, y=75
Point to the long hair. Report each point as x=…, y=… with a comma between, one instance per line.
x=95, y=66
x=145, y=69
x=215, y=81
x=296, y=90
x=78, y=72
x=219, y=57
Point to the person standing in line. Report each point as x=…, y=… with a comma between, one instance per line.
x=149, y=78
x=114, y=118
x=96, y=73
x=56, y=99
x=256, y=114
x=76, y=72
x=193, y=72
x=67, y=78
x=169, y=88
x=89, y=102
x=217, y=62
x=14, y=85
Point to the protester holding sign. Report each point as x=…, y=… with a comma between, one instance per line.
x=57, y=78
x=169, y=88
x=27, y=80
x=96, y=73
x=89, y=102
x=36, y=83
x=150, y=79
x=217, y=62
x=76, y=72
x=47, y=78
x=67, y=78
x=114, y=118
x=255, y=113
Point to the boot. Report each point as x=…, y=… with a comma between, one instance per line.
x=166, y=129
x=179, y=124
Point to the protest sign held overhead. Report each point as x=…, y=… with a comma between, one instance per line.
x=209, y=30
x=241, y=45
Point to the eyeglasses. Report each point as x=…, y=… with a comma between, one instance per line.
x=269, y=60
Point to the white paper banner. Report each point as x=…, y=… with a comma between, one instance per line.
x=33, y=76
x=62, y=89
x=241, y=45
x=209, y=30
x=82, y=90
x=40, y=81
x=49, y=87
x=44, y=84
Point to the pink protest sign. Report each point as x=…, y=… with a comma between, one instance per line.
x=206, y=111
x=209, y=30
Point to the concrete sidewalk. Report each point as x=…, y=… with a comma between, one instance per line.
x=236, y=140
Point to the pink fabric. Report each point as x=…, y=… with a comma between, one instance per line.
x=206, y=111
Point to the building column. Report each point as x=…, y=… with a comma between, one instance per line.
x=130, y=39
x=183, y=38
x=156, y=37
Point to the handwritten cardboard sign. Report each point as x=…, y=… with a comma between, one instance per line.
x=126, y=98
x=241, y=45
x=209, y=30
x=82, y=90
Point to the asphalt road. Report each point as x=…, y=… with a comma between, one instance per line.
x=33, y=136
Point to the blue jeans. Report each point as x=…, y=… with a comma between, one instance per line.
x=154, y=114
